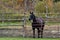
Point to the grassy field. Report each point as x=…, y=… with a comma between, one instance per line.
x=29, y=38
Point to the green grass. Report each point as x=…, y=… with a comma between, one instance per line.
x=27, y=23
x=52, y=23
x=29, y=38
x=10, y=23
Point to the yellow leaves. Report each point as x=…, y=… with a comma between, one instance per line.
x=20, y=1
x=17, y=7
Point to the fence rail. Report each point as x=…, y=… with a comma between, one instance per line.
x=12, y=25
x=12, y=19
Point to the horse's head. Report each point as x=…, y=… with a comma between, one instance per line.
x=32, y=16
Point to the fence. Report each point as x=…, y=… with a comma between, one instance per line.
x=11, y=16
x=13, y=22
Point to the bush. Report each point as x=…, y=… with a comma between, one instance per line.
x=40, y=7
x=57, y=7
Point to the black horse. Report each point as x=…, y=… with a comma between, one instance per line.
x=37, y=23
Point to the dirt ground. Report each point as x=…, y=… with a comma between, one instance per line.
x=49, y=31
x=14, y=31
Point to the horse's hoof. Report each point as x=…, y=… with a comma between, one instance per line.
x=41, y=37
x=38, y=37
x=33, y=37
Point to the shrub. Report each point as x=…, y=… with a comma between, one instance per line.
x=57, y=7
x=39, y=7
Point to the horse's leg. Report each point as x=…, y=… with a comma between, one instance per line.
x=38, y=32
x=33, y=32
x=42, y=32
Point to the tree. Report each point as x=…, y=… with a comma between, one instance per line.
x=56, y=0
x=40, y=7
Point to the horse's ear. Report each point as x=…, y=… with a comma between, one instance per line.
x=31, y=12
